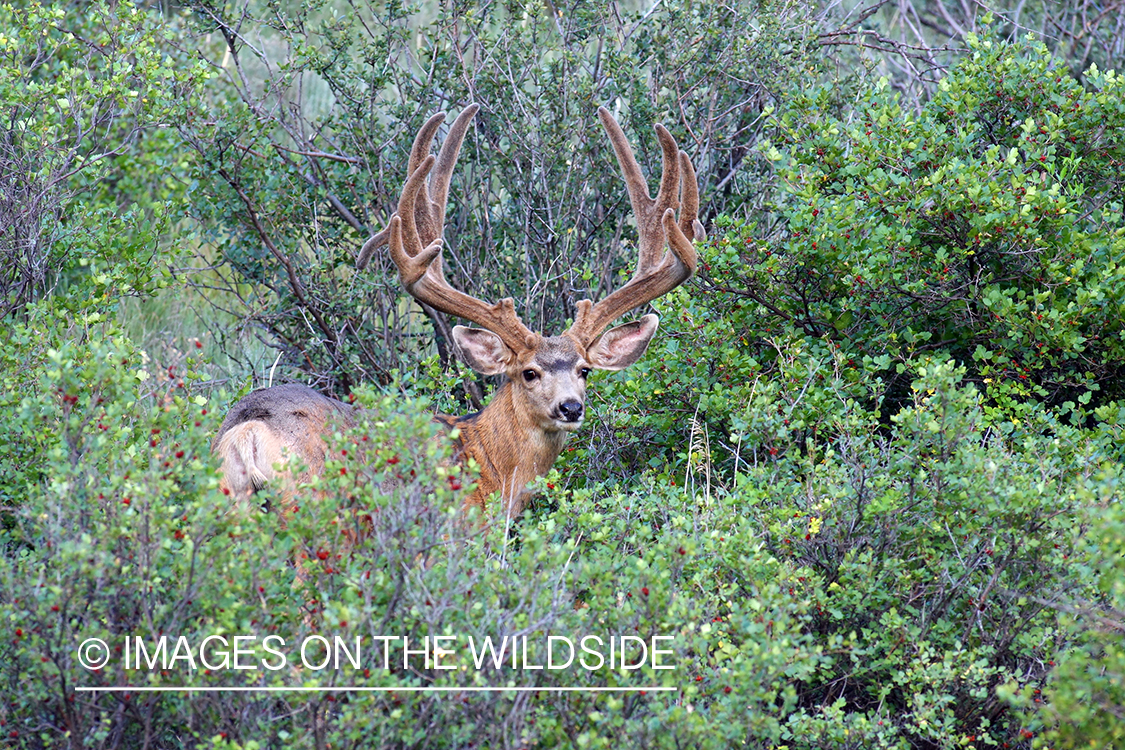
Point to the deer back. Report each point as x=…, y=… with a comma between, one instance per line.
x=271, y=427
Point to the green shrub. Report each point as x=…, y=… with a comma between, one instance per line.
x=986, y=228
x=1083, y=707
x=867, y=590
x=942, y=550
x=123, y=532
x=87, y=90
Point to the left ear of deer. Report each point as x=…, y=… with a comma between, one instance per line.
x=620, y=347
x=518, y=436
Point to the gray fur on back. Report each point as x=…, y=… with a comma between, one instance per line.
x=295, y=412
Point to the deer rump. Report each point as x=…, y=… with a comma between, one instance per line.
x=270, y=427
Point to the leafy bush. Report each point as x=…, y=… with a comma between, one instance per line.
x=126, y=534
x=943, y=552
x=86, y=89
x=868, y=591
x=986, y=228
x=1088, y=690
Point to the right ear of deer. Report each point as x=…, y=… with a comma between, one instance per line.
x=658, y=271
x=482, y=350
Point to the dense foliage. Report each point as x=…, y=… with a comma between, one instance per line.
x=85, y=100
x=864, y=488
x=986, y=229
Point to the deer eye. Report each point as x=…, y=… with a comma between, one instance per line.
x=529, y=376
x=583, y=372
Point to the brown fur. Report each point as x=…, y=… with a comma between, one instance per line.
x=515, y=439
x=267, y=429
x=518, y=436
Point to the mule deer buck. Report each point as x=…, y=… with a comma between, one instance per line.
x=521, y=432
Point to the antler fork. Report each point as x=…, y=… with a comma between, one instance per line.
x=658, y=271
x=414, y=236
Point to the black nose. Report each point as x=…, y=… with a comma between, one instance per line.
x=571, y=410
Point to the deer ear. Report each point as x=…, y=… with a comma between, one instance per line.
x=483, y=350
x=620, y=347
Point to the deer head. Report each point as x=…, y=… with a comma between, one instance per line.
x=521, y=432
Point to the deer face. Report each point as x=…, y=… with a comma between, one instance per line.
x=549, y=380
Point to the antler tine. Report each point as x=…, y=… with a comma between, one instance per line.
x=689, y=199
x=429, y=213
x=415, y=241
x=646, y=210
x=415, y=234
x=422, y=283
x=658, y=272
x=447, y=158
x=420, y=149
x=374, y=242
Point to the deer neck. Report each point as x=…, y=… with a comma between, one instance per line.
x=510, y=448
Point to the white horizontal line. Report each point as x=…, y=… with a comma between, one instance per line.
x=365, y=689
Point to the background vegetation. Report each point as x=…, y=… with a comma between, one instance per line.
x=867, y=475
